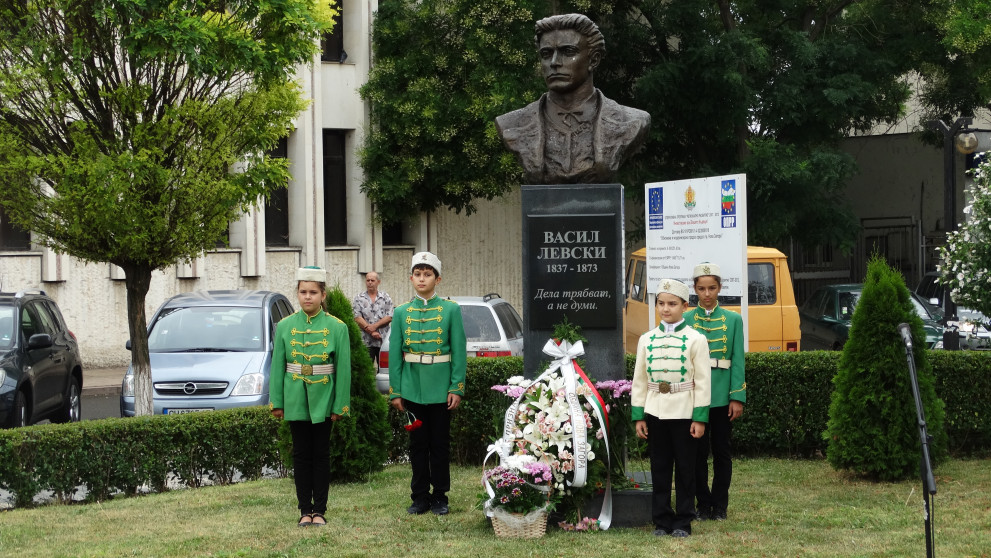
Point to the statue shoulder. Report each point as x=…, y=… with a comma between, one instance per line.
x=519, y=118
x=620, y=113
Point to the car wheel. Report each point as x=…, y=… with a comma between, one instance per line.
x=20, y=415
x=72, y=408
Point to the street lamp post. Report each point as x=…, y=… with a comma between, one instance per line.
x=951, y=339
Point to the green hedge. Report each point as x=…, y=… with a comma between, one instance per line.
x=124, y=455
x=786, y=414
x=788, y=396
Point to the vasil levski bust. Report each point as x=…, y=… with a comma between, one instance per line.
x=573, y=134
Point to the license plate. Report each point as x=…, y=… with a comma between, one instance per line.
x=182, y=411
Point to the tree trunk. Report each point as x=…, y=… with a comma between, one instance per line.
x=137, y=280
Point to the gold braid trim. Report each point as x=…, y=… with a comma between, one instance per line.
x=718, y=339
x=744, y=388
x=410, y=319
x=437, y=352
x=426, y=309
x=410, y=330
x=325, y=343
x=412, y=341
x=717, y=328
x=323, y=356
x=708, y=319
x=295, y=331
x=324, y=380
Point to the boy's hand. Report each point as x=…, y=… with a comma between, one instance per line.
x=735, y=410
x=398, y=404
x=334, y=417
x=277, y=413
x=697, y=430
x=453, y=400
x=641, y=429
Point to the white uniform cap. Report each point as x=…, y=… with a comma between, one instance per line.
x=675, y=287
x=425, y=258
x=311, y=273
x=706, y=268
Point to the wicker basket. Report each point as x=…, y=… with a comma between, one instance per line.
x=518, y=526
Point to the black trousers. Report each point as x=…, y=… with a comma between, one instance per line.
x=374, y=353
x=311, y=464
x=671, y=446
x=430, y=452
x=717, y=437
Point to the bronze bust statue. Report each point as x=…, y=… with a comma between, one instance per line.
x=573, y=134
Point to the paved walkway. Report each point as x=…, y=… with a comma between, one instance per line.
x=102, y=381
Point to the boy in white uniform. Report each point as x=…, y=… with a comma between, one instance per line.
x=670, y=399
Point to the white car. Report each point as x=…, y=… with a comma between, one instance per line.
x=493, y=328
x=971, y=324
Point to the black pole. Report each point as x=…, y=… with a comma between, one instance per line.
x=925, y=465
x=951, y=338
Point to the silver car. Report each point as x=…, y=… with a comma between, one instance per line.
x=493, y=328
x=210, y=350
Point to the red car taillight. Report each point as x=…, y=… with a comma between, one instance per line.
x=791, y=346
x=384, y=359
x=493, y=353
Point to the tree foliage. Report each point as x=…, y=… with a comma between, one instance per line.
x=134, y=131
x=966, y=258
x=443, y=71
x=764, y=87
x=873, y=429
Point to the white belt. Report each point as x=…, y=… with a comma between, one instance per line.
x=309, y=370
x=720, y=363
x=668, y=387
x=426, y=359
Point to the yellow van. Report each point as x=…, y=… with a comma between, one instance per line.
x=772, y=313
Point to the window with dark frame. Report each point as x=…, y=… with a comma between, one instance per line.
x=12, y=237
x=277, y=205
x=332, y=44
x=335, y=213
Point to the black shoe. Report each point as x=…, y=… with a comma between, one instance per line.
x=680, y=533
x=660, y=533
x=439, y=508
x=719, y=515
x=703, y=514
x=418, y=508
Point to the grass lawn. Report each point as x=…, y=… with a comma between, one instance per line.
x=777, y=508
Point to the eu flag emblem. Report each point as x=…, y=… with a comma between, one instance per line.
x=655, y=208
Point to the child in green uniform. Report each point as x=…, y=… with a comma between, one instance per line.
x=670, y=400
x=724, y=331
x=427, y=361
x=311, y=382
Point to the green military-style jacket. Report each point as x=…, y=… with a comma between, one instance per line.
x=322, y=339
x=427, y=327
x=724, y=330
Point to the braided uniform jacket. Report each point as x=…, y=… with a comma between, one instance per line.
x=724, y=330
x=432, y=327
x=679, y=356
x=322, y=339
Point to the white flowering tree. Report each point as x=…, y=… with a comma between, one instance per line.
x=966, y=259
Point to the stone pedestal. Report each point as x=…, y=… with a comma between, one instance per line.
x=573, y=267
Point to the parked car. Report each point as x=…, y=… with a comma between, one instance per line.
x=210, y=350
x=41, y=373
x=493, y=328
x=826, y=316
x=971, y=325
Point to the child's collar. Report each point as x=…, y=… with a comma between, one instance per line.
x=425, y=300
x=677, y=326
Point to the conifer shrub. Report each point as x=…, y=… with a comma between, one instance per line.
x=872, y=429
x=358, y=442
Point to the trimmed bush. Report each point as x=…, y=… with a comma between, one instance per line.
x=873, y=428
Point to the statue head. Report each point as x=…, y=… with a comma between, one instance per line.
x=570, y=48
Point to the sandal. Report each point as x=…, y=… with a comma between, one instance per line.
x=314, y=517
x=305, y=520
